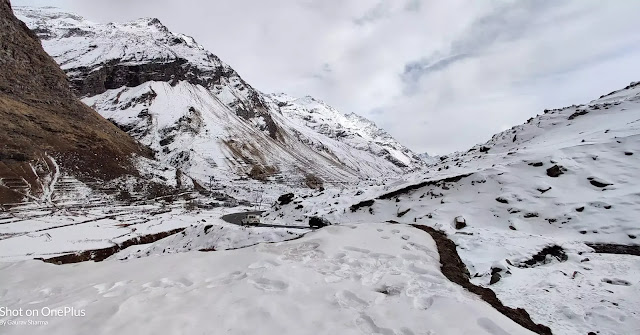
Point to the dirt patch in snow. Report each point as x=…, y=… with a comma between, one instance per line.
x=541, y=257
x=410, y=188
x=454, y=269
x=366, y=203
x=620, y=249
x=98, y=255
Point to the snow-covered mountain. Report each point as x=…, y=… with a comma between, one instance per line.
x=428, y=158
x=352, y=129
x=199, y=115
x=540, y=213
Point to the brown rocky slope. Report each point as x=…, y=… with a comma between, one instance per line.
x=43, y=126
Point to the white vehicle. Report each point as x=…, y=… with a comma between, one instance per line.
x=251, y=220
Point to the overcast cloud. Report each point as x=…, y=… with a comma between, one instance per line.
x=438, y=75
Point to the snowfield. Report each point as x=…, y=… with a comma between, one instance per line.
x=365, y=279
x=47, y=233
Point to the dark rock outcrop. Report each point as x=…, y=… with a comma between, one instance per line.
x=540, y=258
x=577, y=113
x=555, y=171
x=495, y=276
x=286, y=198
x=99, y=255
x=408, y=189
x=502, y=200
x=366, y=203
x=460, y=222
x=598, y=183
x=621, y=249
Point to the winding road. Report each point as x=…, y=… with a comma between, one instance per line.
x=236, y=218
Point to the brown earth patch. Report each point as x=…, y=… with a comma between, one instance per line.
x=620, y=249
x=98, y=255
x=454, y=269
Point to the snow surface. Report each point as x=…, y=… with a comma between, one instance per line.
x=328, y=282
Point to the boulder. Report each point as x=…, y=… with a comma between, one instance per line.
x=318, y=222
x=598, y=183
x=502, y=200
x=460, y=222
x=286, y=198
x=495, y=276
x=555, y=171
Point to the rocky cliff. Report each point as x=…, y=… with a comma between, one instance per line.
x=44, y=128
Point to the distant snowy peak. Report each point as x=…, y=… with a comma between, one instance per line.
x=354, y=129
x=135, y=42
x=425, y=157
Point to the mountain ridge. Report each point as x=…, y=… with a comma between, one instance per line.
x=108, y=62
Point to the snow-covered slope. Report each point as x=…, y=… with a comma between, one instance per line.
x=199, y=115
x=352, y=129
x=566, y=178
x=428, y=158
x=378, y=279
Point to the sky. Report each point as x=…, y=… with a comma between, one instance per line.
x=440, y=76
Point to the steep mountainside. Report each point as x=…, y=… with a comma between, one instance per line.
x=199, y=115
x=45, y=131
x=535, y=212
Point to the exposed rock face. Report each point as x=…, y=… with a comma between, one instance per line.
x=100, y=57
x=495, y=276
x=41, y=120
x=113, y=74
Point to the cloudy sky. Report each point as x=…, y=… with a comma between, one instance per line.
x=439, y=75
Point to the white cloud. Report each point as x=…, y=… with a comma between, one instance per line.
x=439, y=75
